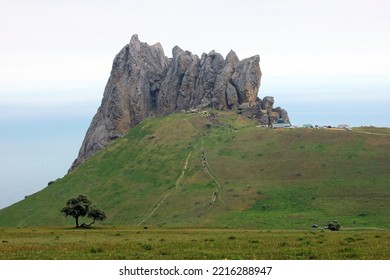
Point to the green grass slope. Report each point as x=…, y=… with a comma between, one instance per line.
x=192, y=170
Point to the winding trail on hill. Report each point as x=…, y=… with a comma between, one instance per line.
x=180, y=179
x=213, y=118
x=177, y=184
x=206, y=167
x=207, y=170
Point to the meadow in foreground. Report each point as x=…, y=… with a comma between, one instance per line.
x=104, y=243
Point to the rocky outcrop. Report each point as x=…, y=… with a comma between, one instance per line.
x=268, y=114
x=144, y=82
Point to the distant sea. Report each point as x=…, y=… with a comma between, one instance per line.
x=34, y=152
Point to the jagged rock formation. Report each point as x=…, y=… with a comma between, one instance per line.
x=269, y=114
x=144, y=82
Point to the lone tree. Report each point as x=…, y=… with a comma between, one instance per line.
x=80, y=207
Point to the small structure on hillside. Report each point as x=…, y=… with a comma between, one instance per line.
x=344, y=126
x=307, y=125
x=281, y=123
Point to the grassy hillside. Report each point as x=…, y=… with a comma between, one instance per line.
x=194, y=170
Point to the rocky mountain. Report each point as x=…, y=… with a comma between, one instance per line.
x=144, y=82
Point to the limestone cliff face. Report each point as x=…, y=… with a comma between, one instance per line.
x=144, y=82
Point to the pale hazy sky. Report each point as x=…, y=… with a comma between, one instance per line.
x=326, y=62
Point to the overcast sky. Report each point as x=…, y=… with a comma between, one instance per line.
x=326, y=62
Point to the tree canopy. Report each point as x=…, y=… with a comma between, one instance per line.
x=81, y=206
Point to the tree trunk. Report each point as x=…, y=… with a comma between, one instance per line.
x=84, y=225
x=91, y=223
x=77, y=221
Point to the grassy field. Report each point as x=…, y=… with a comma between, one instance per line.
x=267, y=178
x=189, y=243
